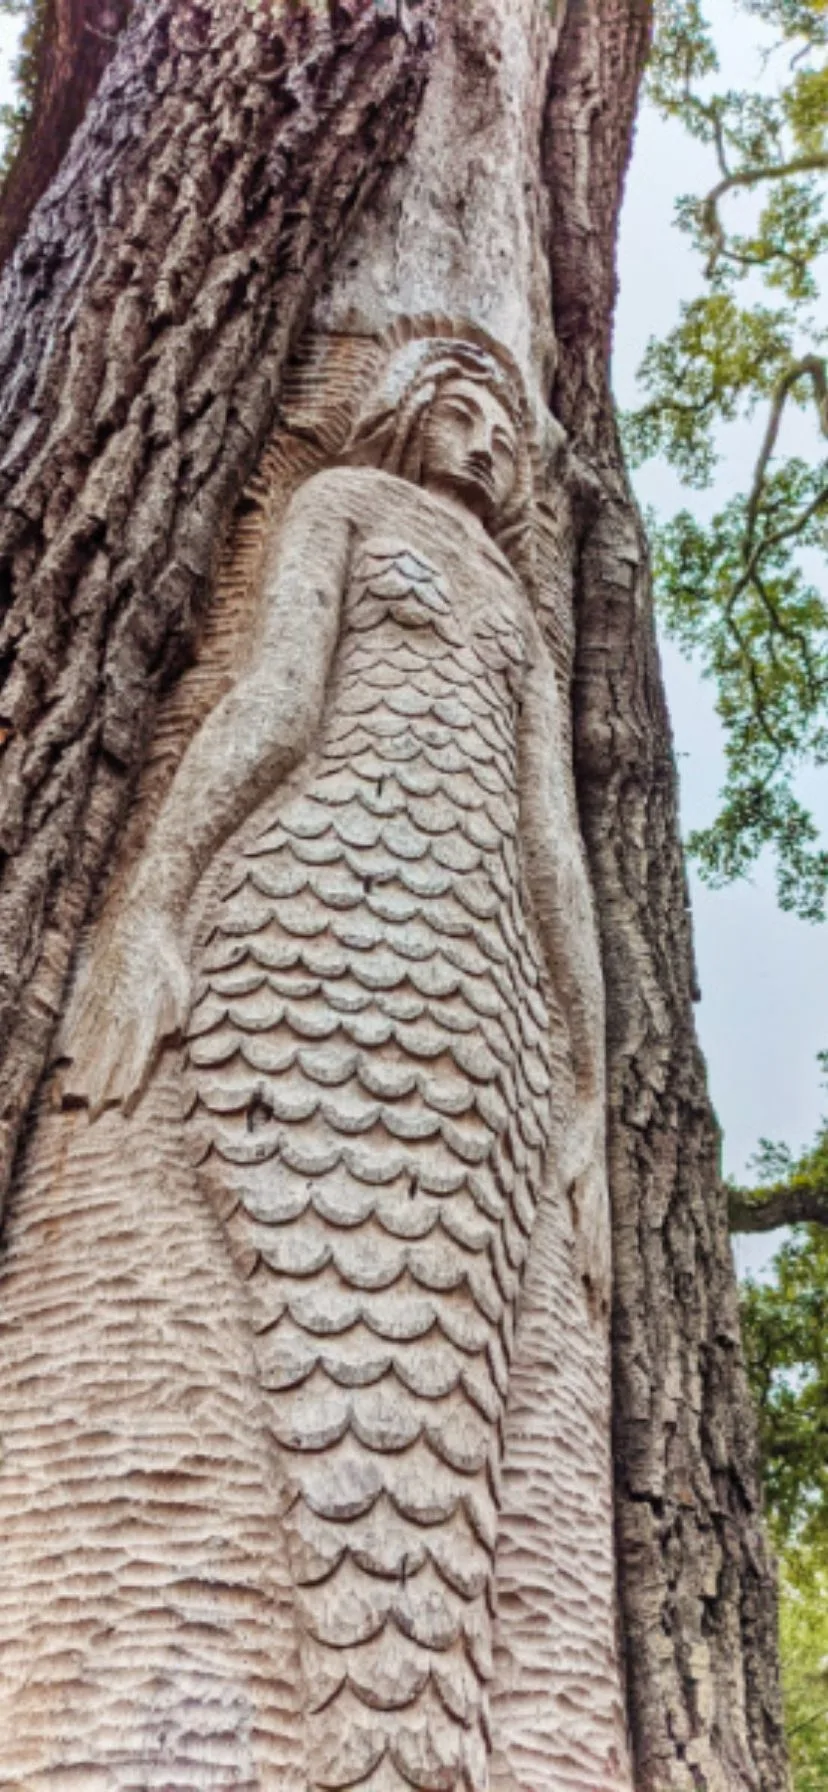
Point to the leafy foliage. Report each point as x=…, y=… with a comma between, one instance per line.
x=741, y=592
x=785, y=1328
x=804, y=1649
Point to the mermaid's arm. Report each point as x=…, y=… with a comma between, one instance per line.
x=136, y=989
x=566, y=923
x=265, y=724
x=558, y=876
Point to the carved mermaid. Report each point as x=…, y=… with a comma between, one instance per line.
x=364, y=995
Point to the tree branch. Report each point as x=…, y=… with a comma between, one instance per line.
x=748, y=177
x=786, y=1204
x=810, y=367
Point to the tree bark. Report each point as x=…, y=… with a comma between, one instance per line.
x=149, y=313
x=73, y=42
x=697, y=1587
x=152, y=306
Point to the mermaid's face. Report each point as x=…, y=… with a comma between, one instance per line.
x=469, y=448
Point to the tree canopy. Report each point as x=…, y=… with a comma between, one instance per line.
x=785, y=1328
x=741, y=592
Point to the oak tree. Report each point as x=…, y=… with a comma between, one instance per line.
x=211, y=196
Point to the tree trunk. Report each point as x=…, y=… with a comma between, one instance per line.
x=241, y=178
x=697, y=1586
x=71, y=43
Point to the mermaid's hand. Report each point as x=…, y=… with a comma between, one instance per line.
x=134, y=995
x=585, y=1169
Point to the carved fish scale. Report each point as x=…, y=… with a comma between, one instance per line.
x=370, y=1080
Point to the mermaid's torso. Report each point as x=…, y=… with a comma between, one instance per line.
x=369, y=1066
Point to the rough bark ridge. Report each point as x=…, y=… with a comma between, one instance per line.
x=150, y=307
x=75, y=41
x=697, y=1589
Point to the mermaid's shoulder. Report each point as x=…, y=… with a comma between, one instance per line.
x=355, y=492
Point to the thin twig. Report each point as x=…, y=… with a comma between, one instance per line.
x=807, y=1721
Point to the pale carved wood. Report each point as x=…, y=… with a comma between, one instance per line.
x=384, y=1136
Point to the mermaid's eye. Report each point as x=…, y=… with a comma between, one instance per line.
x=456, y=407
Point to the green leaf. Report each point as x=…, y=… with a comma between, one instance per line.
x=742, y=592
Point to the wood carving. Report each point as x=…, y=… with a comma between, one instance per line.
x=358, y=942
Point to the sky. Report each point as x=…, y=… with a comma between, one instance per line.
x=763, y=974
